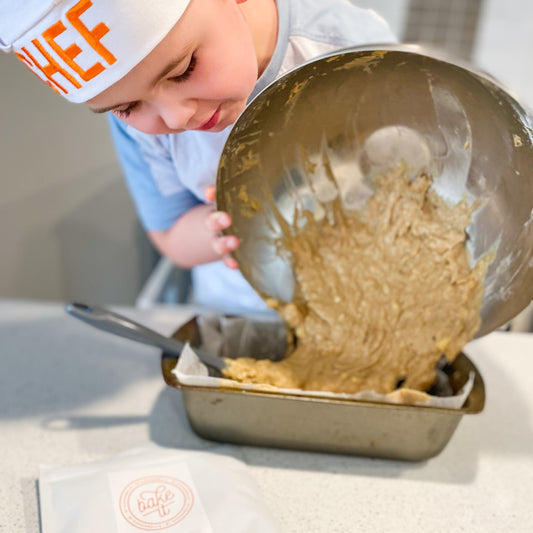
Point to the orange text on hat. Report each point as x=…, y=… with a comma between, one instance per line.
x=64, y=64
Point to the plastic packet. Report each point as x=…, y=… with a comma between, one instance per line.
x=154, y=489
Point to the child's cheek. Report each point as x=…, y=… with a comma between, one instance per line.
x=150, y=124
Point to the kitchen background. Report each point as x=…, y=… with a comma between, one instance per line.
x=68, y=229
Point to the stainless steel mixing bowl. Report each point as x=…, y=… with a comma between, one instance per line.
x=325, y=129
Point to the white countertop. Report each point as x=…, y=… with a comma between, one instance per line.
x=71, y=394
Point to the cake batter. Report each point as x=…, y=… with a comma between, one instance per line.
x=381, y=294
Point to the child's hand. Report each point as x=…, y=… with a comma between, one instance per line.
x=216, y=222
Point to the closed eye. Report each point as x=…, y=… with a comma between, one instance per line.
x=188, y=71
x=125, y=113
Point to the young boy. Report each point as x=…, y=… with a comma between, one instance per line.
x=173, y=76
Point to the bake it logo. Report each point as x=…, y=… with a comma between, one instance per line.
x=154, y=503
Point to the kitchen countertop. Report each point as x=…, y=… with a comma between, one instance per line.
x=71, y=394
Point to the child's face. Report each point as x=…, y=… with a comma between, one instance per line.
x=198, y=78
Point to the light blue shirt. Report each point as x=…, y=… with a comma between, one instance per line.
x=167, y=174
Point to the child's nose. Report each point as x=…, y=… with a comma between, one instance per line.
x=176, y=113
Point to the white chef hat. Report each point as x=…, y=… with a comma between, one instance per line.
x=81, y=47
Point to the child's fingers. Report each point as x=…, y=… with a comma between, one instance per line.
x=225, y=245
x=218, y=221
x=230, y=262
x=209, y=193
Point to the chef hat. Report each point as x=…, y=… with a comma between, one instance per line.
x=81, y=47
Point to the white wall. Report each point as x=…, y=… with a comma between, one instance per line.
x=504, y=45
x=67, y=226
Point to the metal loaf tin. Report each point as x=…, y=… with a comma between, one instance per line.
x=354, y=427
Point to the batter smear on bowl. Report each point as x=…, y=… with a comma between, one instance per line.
x=381, y=294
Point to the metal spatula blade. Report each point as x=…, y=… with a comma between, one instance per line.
x=121, y=326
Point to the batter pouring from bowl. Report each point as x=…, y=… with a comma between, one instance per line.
x=381, y=293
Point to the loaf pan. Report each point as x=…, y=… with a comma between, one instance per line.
x=312, y=423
